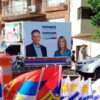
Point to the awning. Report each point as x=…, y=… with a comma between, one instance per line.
x=83, y=36
x=25, y=17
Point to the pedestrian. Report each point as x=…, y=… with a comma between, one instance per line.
x=83, y=52
x=73, y=60
x=73, y=56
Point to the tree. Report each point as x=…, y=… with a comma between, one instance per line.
x=95, y=7
x=96, y=36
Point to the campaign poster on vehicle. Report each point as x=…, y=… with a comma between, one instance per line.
x=50, y=33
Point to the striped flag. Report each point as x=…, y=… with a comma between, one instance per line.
x=74, y=89
x=86, y=90
x=96, y=90
x=34, y=85
x=65, y=88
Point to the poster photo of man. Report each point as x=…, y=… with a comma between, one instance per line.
x=41, y=39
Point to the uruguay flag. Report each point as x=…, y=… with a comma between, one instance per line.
x=96, y=90
x=86, y=90
x=74, y=89
x=1, y=83
x=65, y=88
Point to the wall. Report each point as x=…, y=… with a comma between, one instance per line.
x=93, y=48
x=76, y=24
x=80, y=25
x=87, y=27
x=84, y=3
x=56, y=12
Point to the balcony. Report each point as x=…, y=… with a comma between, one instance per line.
x=57, y=7
x=84, y=29
x=22, y=12
x=87, y=27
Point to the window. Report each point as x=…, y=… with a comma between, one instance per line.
x=55, y=2
x=57, y=20
x=29, y=2
x=19, y=6
x=5, y=3
x=84, y=13
x=3, y=32
x=15, y=6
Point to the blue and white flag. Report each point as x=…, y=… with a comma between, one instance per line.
x=96, y=90
x=65, y=88
x=74, y=89
x=86, y=90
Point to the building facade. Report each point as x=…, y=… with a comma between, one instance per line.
x=34, y=10
x=40, y=10
x=53, y=11
x=82, y=29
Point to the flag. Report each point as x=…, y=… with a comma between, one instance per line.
x=14, y=88
x=49, y=89
x=52, y=86
x=74, y=89
x=96, y=90
x=86, y=90
x=1, y=84
x=27, y=85
x=65, y=88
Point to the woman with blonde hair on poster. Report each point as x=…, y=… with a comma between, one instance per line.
x=62, y=48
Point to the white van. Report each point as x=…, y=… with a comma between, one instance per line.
x=90, y=66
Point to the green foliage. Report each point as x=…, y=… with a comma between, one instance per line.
x=95, y=7
x=96, y=19
x=96, y=36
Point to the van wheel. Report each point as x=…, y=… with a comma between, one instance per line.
x=97, y=73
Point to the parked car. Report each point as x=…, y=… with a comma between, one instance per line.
x=88, y=67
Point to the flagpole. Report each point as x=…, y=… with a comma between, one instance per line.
x=41, y=76
x=46, y=65
x=60, y=71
